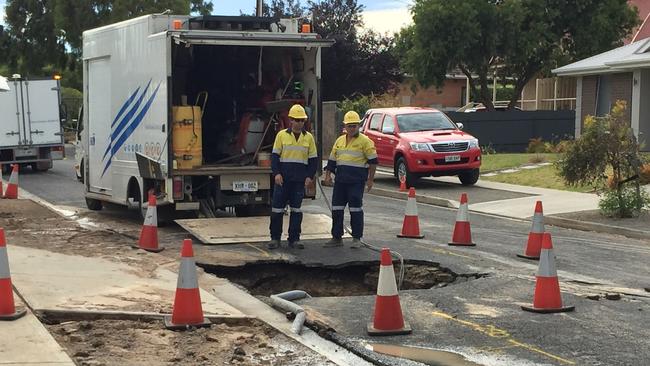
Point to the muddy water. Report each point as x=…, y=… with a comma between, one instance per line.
x=424, y=355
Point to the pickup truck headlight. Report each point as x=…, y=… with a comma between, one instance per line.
x=473, y=143
x=420, y=146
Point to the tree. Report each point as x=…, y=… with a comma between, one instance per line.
x=607, y=144
x=514, y=39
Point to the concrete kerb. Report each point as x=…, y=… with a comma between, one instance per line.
x=430, y=200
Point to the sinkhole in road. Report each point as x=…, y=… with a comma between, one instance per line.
x=354, y=279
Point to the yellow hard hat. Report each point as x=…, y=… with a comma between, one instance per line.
x=351, y=117
x=297, y=112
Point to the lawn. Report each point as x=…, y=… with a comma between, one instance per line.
x=543, y=177
x=494, y=162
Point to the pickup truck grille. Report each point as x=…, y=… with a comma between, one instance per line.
x=452, y=146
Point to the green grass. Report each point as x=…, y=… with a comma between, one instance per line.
x=494, y=162
x=543, y=177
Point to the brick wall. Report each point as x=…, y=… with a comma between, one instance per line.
x=448, y=96
x=622, y=90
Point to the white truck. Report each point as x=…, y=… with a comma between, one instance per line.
x=30, y=123
x=187, y=107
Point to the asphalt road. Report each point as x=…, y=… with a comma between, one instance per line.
x=480, y=318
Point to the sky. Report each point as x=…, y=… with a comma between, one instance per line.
x=383, y=16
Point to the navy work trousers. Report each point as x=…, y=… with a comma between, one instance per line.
x=352, y=195
x=291, y=192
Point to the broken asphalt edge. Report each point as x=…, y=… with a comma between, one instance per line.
x=549, y=220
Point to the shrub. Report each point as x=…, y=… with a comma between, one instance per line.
x=626, y=202
x=535, y=146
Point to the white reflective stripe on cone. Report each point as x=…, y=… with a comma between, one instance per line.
x=462, y=215
x=187, y=274
x=547, y=264
x=387, y=285
x=151, y=218
x=538, y=223
x=13, y=178
x=4, y=264
x=411, y=207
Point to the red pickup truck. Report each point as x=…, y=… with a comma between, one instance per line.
x=420, y=142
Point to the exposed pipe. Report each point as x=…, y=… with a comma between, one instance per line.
x=283, y=301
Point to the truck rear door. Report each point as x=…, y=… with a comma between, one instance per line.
x=11, y=116
x=42, y=114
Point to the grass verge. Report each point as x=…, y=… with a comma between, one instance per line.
x=495, y=162
x=543, y=177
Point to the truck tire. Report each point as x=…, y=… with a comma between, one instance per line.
x=469, y=177
x=402, y=169
x=253, y=210
x=41, y=166
x=93, y=204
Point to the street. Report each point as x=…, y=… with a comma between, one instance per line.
x=475, y=312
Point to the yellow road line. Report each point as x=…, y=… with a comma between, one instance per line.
x=438, y=250
x=266, y=254
x=495, y=332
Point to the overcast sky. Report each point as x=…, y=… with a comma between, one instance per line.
x=380, y=15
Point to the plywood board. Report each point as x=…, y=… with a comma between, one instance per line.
x=233, y=230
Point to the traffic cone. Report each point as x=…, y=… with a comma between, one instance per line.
x=462, y=233
x=411, y=225
x=12, y=187
x=187, y=310
x=547, y=298
x=402, y=184
x=388, y=318
x=149, y=234
x=534, y=245
x=7, y=306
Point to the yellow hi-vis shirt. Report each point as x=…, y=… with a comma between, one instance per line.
x=350, y=161
x=294, y=158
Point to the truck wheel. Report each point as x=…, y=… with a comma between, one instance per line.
x=401, y=170
x=93, y=204
x=41, y=166
x=469, y=177
x=254, y=210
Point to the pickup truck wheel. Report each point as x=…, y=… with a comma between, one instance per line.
x=93, y=204
x=401, y=170
x=469, y=177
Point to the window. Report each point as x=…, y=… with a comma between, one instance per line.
x=603, y=99
x=424, y=122
x=389, y=125
x=375, y=121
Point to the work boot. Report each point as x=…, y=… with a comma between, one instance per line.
x=296, y=244
x=356, y=243
x=273, y=244
x=334, y=242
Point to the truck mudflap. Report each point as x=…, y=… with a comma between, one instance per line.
x=237, y=230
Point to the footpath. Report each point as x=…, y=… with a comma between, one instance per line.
x=52, y=275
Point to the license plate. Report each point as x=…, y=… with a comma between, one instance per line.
x=25, y=152
x=451, y=158
x=244, y=186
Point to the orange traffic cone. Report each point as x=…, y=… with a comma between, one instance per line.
x=462, y=233
x=411, y=225
x=534, y=245
x=547, y=298
x=388, y=318
x=149, y=234
x=7, y=306
x=187, y=310
x=12, y=187
x=402, y=184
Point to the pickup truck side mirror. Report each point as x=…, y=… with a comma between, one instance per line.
x=460, y=125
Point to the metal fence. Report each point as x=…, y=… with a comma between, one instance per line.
x=511, y=131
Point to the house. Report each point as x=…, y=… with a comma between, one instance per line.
x=622, y=73
x=451, y=96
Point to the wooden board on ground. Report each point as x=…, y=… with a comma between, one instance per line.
x=234, y=230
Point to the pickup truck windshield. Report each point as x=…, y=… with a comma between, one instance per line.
x=424, y=122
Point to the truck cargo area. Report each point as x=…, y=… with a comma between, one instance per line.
x=228, y=103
